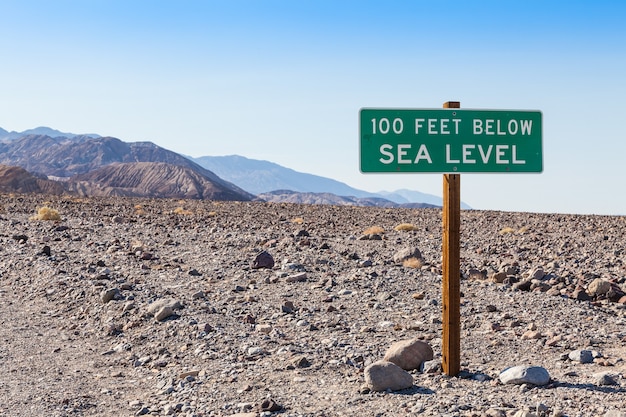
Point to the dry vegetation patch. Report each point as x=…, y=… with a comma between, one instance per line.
x=405, y=227
x=374, y=230
x=182, y=211
x=46, y=213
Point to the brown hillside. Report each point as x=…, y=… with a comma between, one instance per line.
x=18, y=180
x=151, y=179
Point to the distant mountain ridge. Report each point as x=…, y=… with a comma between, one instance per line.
x=43, y=131
x=66, y=158
x=262, y=177
x=287, y=196
x=91, y=164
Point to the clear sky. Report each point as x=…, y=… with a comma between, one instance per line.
x=283, y=80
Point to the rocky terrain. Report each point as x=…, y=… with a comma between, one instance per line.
x=127, y=306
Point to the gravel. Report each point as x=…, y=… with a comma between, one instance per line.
x=134, y=307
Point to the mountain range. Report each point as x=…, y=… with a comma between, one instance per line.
x=261, y=177
x=90, y=164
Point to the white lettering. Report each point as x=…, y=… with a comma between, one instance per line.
x=448, y=159
x=431, y=126
x=402, y=152
x=500, y=154
x=499, y=131
x=527, y=126
x=485, y=156
x=422, y=153
x=478, y=127
x=467, y=153
x=384, y=149
x=398, y=126
x=489, y=127
x=444, y=126
x=513, y=127
x=418, y=124
x=515, y=160
x=456, y=125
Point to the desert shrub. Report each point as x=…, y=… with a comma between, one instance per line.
x=374, y=230
x=297, y=220
x=182, y=211
x=405, y=227
x=413, y=263
x=507, y=231
x=139, y=210
x=46, y=213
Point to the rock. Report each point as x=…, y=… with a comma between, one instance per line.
x=163, y=313
x=154, y=307
x=269, y=405
x=598, y=287
x=524, y=413
x=604, y=378
x=615, y=413
x=300, y=277
x=581, y=295
x=497, y=277
x=582, y=356
x=531, y=334
x=194, y=272
x=409, y=354
x=475, y=274
x=288, y=307
x=523, y=374
x=384, y=375
x=492, y=412
x=300, y=362
x=523, y=285
x=536, y=274
x=264, y=328
x=406, y=253
x=263, y=260
x=431, y=367
x=109, y=295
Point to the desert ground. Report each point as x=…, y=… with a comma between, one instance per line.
x=124, y=307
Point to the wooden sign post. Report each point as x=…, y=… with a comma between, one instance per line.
x=451, y=291
x=450, y=141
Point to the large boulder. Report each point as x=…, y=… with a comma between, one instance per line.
x=383, y=376
x=409, y=354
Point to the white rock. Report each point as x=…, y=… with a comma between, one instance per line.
x=523, y=374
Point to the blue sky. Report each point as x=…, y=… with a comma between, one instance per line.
x=284, y=81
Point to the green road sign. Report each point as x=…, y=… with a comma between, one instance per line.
x=450, y=140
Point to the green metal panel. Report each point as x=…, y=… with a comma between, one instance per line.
x=450, y=140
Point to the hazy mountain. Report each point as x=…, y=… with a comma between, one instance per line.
x=262, y=177
x=410, y=196
x=152, y=180
x=83, y=159
x=41, y=130
x=287, y=196
x=257, y=176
